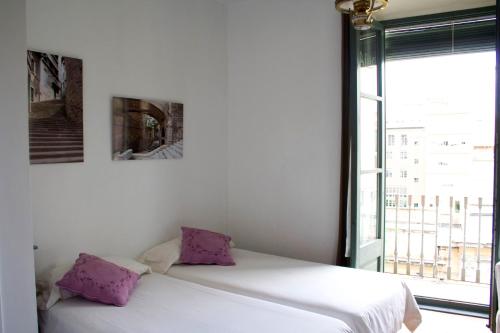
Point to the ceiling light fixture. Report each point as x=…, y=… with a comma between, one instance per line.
x=361, y=11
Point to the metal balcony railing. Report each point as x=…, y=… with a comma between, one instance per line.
x=443, y=238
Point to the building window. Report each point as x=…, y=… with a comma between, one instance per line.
x=416, y=161
x=390, y=140
x=404, y=155
x=404, y=174
x=403, y=201
x=389, y=201
x=388, y=173
x=404, y=140
x=416, y=180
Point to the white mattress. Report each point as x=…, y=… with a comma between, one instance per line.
x=161, y=304
x=366, y=301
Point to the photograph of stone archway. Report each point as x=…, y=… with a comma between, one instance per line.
x=55, y=108
x=147, y=129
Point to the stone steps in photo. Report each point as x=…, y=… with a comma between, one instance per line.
x=55, y=140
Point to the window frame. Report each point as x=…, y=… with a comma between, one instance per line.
x=453, y=306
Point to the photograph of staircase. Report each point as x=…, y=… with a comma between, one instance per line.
x=55, y=109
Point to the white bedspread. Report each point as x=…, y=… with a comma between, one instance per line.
x=161, y=304
x=366, y=301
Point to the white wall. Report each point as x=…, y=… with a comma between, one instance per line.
x=284, y=126
x=270, y=168
x=17, y=284
x=161, y=49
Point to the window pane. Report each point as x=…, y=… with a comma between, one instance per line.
x=368, y=207
x=368, y=119
x=368, y=60
x=441, y=111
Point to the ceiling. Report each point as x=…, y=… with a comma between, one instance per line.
x=407, y=8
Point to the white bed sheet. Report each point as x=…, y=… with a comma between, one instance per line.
x=161, y=304
x=368, y=302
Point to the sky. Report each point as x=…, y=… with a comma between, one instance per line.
x=444, y=87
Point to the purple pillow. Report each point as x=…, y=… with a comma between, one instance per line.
x=205, y=247
x=99, y=280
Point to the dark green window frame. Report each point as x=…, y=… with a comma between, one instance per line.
x=489, y=41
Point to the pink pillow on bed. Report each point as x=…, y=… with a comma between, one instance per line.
x=99, y=280
x=205, y=247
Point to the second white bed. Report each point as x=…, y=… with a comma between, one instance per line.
x=161, y=304
x=367, y=302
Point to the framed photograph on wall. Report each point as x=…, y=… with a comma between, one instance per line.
x=55, y=108
x=145, y=129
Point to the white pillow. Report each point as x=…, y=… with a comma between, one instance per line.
x=48, y=293
x=130, y=264
x=161, y=257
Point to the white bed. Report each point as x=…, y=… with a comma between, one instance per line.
x=161, y=304
x=367, y=302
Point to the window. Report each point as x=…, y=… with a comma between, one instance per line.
x=418, y=108
x=390, y=140
x=430, y=114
